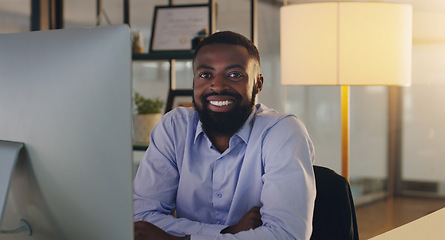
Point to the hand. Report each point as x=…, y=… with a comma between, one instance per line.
x=250, y=220
x=147, y=231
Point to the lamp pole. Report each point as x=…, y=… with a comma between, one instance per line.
x=345, y=120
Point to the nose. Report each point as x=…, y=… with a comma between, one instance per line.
x=218, y=83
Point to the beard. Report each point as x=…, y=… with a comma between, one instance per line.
x=224, y=123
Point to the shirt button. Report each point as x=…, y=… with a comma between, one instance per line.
x=218, y=194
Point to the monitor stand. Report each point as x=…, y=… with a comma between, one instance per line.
x=9, y=152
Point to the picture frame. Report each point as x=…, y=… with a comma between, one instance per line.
x=175, y=26
x=183, y=101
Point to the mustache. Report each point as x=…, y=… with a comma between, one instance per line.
x=236, y=95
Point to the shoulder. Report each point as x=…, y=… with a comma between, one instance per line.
x=179, y=121
x=274, y=128
x=282, y=136
x=268, y=118
x=180, y=114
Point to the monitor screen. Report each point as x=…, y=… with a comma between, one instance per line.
x=66, y=94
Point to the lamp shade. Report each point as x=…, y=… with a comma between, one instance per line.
x=346, y=43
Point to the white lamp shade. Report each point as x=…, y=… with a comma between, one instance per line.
x=346, y=43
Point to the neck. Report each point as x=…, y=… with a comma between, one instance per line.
x=221, y=142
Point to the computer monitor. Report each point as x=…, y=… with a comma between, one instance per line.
x=66, y=94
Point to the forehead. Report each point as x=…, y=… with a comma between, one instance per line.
x=220, y=53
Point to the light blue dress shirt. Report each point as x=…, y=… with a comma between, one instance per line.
x=268, y=164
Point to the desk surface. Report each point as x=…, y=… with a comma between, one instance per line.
x=431, y=226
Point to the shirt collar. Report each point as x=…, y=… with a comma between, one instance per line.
x=199, y=129
x=243, y=132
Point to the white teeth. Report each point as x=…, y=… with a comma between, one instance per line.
x=221, y=103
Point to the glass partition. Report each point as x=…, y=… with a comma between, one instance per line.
x=423, y=148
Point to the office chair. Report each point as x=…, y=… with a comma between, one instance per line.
x=334, y=212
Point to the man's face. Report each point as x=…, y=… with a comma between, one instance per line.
x=226, y=81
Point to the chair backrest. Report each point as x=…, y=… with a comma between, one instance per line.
x=334, y=212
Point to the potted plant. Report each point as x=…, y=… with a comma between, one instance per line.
x=148, y=114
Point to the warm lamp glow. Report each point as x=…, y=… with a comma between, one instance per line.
x=346, y=43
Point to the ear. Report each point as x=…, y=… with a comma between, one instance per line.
x=259, y=84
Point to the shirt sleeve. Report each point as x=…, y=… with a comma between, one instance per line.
x=156, y=183
x=289, y=191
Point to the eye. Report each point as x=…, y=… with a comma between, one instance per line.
x=235, y=76
x=204, y=75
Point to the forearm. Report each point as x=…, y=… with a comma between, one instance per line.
x=147, y=231
x=200, y=231
x=283, y=221
x=179, y=226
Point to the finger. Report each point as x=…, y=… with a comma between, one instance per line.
x=255, y=209
x=255, y=224
x=259, y=222
x=255, y=214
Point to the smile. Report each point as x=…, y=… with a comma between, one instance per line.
x=221, y=103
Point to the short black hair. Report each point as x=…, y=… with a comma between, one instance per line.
x=233, y=38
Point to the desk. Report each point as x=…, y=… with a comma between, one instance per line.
x=429, y=227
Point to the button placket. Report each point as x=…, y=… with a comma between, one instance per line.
x=218, y=200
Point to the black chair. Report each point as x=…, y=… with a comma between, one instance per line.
x=334, y=212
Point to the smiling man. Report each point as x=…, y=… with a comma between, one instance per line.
x=227, y=168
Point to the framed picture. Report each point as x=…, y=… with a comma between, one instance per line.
x=174, y=27
x=183, y=101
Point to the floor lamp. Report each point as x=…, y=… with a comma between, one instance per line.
x=345, y=44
